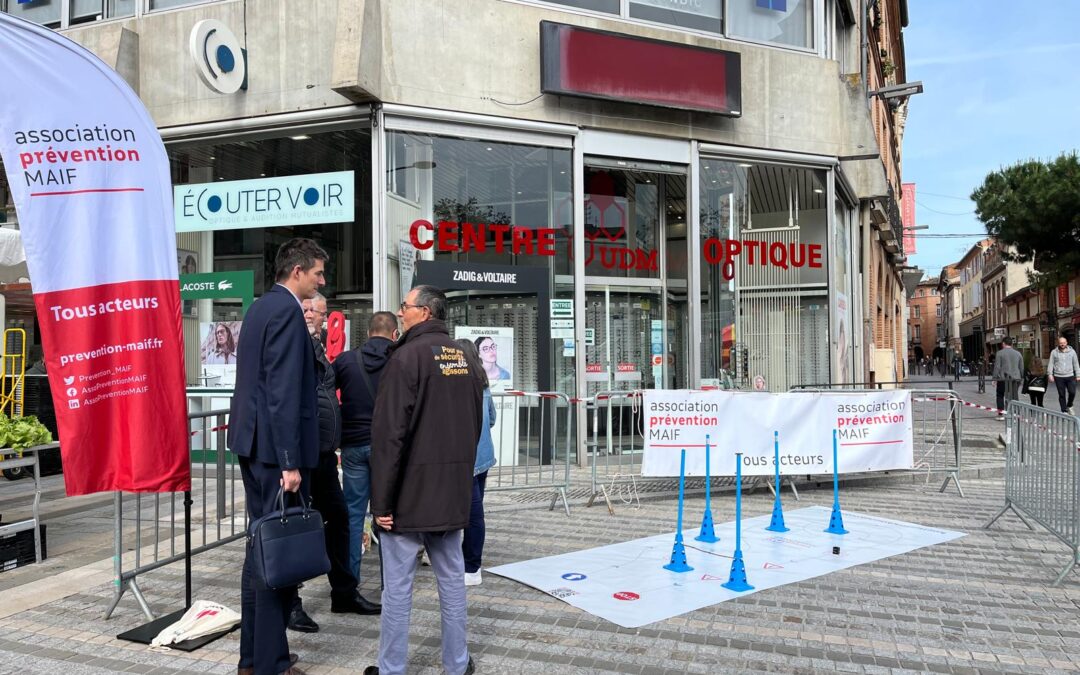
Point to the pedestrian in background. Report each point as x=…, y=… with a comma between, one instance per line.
x=1035, y=382
x=472, y=543
x=358, y=375
x=274, y=432
x=1008, y=371
x=423, y=450
x=1064, y=371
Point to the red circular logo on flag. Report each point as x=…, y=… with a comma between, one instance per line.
x=626, y=595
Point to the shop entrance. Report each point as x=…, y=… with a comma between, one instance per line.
x=636, y=319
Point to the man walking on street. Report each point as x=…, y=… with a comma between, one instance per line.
x=422, y=454
x=1064, y=370
x=358, y=373
x=274, y=432
x=1008, y=371
x=326, y=495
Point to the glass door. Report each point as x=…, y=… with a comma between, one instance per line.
x=636, y=269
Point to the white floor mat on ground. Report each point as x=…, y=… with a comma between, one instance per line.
x=627, y=584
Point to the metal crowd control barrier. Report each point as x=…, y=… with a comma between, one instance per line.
x=616, y=445
x=155, y=518
x=937, y=426
x=1042, y=473
x=532, y=443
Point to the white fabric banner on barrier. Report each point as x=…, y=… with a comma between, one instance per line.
x=873, y=431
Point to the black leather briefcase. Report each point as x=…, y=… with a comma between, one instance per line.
x=288, y=545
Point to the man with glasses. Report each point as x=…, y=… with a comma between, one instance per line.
x=423, y=450
x=326, y=493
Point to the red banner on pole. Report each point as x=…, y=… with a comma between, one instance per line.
x=90, y=180
x=1063, y=296
x=907, y=217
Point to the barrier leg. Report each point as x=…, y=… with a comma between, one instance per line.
x=119, y=585
x=1068, y=568
x=954, y=477
x=566, y=505
x=1008, y=507
x=134, y=584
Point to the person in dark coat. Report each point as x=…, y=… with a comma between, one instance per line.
x=423, y=449
x=358, y=374
x=275, y=435
x=326, y=495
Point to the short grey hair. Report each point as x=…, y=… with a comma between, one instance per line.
x=432, y=298
x=318, y=297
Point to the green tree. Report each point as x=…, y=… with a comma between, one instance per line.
x=1034, y=208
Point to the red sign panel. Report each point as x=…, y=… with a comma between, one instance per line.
x=598, y=64
x=907, y=217
x=1063, y=295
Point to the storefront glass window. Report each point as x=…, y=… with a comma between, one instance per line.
x=704, y=15
x=44, y=12
x=765, y=303
x=490, y=222
x=313, y=171
x=784, y=22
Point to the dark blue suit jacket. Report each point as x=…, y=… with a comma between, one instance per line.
x=273, y=417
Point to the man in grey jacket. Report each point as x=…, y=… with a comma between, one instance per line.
x=1064, y=371
x=1008, y=370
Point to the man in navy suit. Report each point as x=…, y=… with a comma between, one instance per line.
x=273, y=429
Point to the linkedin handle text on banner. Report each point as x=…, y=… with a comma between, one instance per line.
x=90, y=179
x=874, y=431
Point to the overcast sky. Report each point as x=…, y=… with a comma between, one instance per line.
x=1002, y=85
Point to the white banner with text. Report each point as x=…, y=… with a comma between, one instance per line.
x=873, y=431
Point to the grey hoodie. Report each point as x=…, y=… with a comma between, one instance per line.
x=1063, y=363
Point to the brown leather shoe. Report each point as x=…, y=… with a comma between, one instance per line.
x=293, y=658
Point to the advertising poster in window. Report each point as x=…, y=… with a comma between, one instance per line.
x=496, y=348
x=843, y=340
x=217, y=353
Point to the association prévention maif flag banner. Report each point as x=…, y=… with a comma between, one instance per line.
x=90, y=179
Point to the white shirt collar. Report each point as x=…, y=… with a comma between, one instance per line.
x=295, y=297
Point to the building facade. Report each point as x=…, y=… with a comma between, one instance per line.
x=949, y=289
x=1001, y=279
x=612, y=237
x=924, y=320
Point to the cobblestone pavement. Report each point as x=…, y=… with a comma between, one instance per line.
x=980, y=604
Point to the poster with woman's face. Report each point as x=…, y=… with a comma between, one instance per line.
x=496, y=347
x=217, y=353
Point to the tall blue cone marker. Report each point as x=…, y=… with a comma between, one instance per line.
x=678, y=551
x=836, y=521
x=737, y=580
x=777, y=522
x=707, y=535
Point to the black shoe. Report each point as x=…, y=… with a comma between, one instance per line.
x=300, y=622
x=371, y=670
x=354, y=605
x=471, y=668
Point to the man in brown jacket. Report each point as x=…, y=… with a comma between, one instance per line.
x=423, y=445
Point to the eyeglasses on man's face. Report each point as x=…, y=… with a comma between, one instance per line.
x=313, y=311
x=403, y=306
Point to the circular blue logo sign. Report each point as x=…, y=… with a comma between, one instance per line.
x=214, y=204
x=311, y=196
x=225, y=59
x=574, y=576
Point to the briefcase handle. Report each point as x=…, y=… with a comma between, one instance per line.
x=281, y=504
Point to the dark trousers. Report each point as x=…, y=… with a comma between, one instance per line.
x=472, y=543
x=1006, y=391
x=264, y=613
x=1036, y=397
x=327, y=497
x=1066, y=387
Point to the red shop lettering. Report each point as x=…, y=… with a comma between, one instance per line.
x=450, y=237
x=778, y=254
